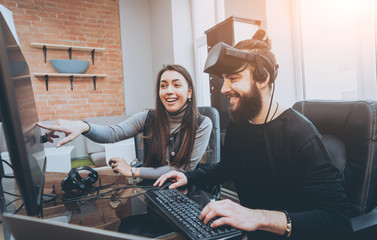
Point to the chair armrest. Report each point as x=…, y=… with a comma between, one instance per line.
x=365, y=226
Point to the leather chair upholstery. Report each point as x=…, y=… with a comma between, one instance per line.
x=212, y=154
x=349, y=130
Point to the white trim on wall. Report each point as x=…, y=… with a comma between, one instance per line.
x=297, y=51
x=279, y=29
x=135, y=30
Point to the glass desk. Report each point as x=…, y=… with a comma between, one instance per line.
x=117, y=206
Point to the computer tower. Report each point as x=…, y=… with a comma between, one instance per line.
x=229, y=31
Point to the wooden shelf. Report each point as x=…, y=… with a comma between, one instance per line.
x=66, y=47
x=65, y=75
x=12, y=47
x=68, y=75
x=23, y=77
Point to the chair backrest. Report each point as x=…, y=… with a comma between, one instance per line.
x=212, y=154
x=3, y=145
x=349, y=131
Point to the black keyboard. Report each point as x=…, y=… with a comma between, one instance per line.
x=184, y=214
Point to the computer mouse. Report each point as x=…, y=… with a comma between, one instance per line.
x=166, y=185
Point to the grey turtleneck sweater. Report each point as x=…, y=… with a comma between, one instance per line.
x=135, y=124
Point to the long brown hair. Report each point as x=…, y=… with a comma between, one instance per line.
x=160, y=133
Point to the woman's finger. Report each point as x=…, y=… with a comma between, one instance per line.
x=51, y=127
x=65, y=140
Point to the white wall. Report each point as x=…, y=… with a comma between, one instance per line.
x=255, y=9
x=162, y=35
x=135, y=24
x=154, y=33
x=157, y=32
x=279, y=29
x=183, y=35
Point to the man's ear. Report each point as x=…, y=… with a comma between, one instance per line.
x=263, y=84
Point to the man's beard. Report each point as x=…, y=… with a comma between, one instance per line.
x=248, y=106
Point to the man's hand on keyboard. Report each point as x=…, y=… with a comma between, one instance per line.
x=237, y=216
x=178, y=178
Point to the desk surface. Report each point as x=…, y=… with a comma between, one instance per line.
x=116, y=207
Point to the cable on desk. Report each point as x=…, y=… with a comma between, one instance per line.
x=12, y=194
x=18, y=209
x=86, y=200
x=7, y=163
x=12, y=201
x=135, y=195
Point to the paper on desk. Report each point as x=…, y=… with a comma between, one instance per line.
x=124, y=149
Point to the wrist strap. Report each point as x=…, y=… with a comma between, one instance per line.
x=133, y=170
x=289, y=224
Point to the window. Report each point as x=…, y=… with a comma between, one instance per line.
x=338, y=55
x=205, y=14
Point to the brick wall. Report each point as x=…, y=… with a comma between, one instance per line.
x=89, y=23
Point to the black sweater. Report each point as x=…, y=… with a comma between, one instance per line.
x=283, y=165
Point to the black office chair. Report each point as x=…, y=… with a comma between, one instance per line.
x=349, y=130
x=212, y=154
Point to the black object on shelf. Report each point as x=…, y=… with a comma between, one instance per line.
x=71, y=80
x=94, y=82
x=44, y=52
x=70, y=53
x=46, y=82
x=92, y=52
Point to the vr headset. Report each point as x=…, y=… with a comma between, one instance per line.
x=224, y=59
x=74, y=181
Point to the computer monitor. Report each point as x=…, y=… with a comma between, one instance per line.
x=34, y=228
x=19, y=116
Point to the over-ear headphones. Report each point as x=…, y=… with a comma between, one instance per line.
x=263, y=67
x=224, y=59
x=74, y=181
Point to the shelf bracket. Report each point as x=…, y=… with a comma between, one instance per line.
x=70, y=53
x=44, y=52
x=93, y=55
x=71, y=80
x=46, y=82
x=94, y=82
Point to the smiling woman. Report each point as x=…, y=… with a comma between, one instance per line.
x=175, y=136
x=174, y=91
x=175, y=120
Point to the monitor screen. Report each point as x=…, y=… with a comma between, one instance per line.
x=19, y=116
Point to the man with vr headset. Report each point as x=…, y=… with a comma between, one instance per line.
x=285, y=179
